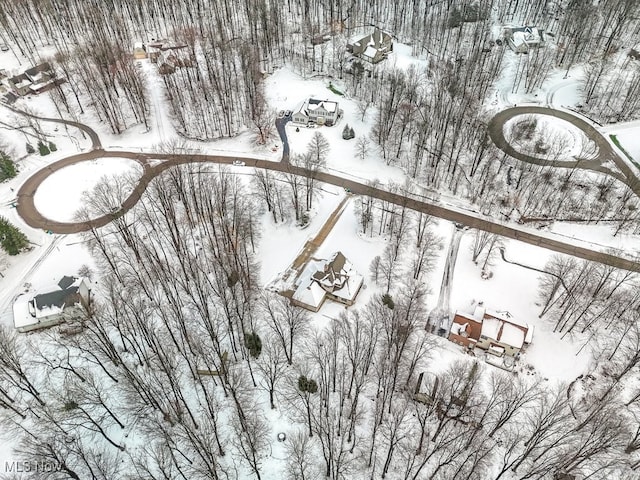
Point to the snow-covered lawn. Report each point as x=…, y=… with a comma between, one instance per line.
x=599, y=236
x=60, y=195
x=628, y=136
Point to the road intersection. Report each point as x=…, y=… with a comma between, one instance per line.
x=155, y=163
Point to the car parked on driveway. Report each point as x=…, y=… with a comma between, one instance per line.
x=281, y=114
x=288, y=113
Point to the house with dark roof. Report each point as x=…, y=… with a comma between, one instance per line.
x=321, y=112
x=334, y=279
x=65, y=302
x=40, y=73
x=19, y=84
x=373, y=48
x=9, y=98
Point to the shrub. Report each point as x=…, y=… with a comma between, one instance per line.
x=388, y=301
x=307, y=385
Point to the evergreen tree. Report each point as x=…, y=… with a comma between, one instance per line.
x=43, y=149
x=52, y=147
x=346, y=132
x=7, y=167
x=30, y=148
x=253, y=343
x=388, y=301
x=12, y=240
x=307, y=385
x=352, y=134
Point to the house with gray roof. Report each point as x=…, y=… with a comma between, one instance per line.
x=65, y=302
x=335, y=279
x=373, y=47
x=19, y=84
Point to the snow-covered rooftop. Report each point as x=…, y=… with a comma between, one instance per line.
x=310, y=293
x=350, y=289
x=336, y=276
x=328, y=105
x=512, y=335
x=491, y=328
x=370, y=51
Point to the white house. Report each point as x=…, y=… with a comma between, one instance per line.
x=322, y=112
x=63, y=303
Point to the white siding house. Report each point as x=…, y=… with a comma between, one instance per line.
x=322, y=112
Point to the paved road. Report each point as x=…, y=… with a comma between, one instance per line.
x=95, y=139
x=27, y=210
x=605, y=150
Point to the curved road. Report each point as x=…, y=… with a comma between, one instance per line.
x=28, y=211
x=605, y=150
x=85, y=129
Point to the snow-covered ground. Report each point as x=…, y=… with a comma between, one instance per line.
x=60, y=195
x=558, y=138
x=600, y=236
x=628, y=135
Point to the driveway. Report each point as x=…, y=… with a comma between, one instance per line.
x=280, y=126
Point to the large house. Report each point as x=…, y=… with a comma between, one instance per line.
x=335, y=279
x=41, y=77
x=523, y=39
x=499, y=333
x=63, y=303
x=322, y=112
x=34, y=80
x=373, y=48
